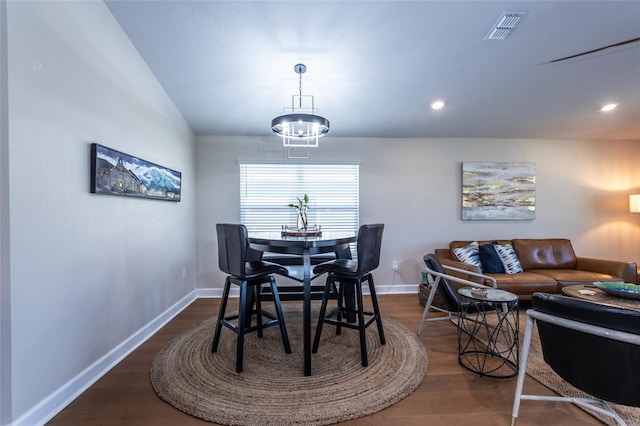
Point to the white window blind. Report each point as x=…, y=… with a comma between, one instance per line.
x=267, y=188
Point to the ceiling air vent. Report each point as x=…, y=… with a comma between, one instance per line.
x=507, y=22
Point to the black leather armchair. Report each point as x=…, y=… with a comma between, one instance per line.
x=442, y=279
x=594, y=347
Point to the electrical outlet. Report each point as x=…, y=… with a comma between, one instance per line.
x=395, y=265
x=184, y=273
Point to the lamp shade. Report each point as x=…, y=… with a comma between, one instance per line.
x=634, y=203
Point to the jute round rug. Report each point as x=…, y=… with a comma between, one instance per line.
x=272, y=389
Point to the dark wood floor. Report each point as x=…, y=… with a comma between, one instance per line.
x=449, y=394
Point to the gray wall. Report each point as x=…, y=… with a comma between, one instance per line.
x=86, y=271
x=5, y=290
x=414, y=187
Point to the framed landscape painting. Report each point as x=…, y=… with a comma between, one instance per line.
x=498, y=191
x=116, y=173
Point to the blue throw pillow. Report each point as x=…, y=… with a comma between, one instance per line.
x=489, y=258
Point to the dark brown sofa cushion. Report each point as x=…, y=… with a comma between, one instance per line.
x=566, y=277
x=525, y=283
x=548, y=253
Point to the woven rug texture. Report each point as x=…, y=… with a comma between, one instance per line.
x=272, y=389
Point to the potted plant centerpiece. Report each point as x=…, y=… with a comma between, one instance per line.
x=302, y=206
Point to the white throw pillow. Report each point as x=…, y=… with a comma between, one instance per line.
x=469, y=254
x=509, y=259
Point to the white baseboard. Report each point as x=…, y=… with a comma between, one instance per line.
x=46, y=409
x=396, y=289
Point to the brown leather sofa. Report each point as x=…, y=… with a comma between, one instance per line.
x=549, y=265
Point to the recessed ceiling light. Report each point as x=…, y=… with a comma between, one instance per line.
x=439, y=104
x=608, y=107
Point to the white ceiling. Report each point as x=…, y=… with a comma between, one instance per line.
x=374, y=67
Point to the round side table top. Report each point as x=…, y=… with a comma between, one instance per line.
x=492, y=295
x=594, y=294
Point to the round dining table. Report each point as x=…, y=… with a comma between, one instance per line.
x=305, y=247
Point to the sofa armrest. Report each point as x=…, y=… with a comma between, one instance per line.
x=460, y=265
x=485, y=280
x=465, y=271
x=442, y=253
x=628, y=271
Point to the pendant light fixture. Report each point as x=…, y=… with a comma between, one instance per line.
x=300, y=127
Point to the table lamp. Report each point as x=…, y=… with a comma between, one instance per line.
x=634, y=203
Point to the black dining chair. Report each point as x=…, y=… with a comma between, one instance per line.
x=348, y=272
x=246, y=269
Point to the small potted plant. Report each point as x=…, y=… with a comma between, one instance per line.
x=302, y=206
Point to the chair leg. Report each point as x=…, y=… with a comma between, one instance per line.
x=522, y=368
x=323, y=310
x=427, y=307
x=223, y=307
x=361, y=326
x=350, y=300
x=342, y=305
x=242, y=317
x=256, y=295
x=280, y=314
x=376, y=309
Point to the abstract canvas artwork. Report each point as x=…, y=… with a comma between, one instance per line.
x=116, y=173
x=498, y=191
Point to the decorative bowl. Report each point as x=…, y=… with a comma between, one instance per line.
x=626, y=290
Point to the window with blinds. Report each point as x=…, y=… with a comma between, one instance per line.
x=267, y=188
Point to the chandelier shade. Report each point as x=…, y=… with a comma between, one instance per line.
x=301, y=127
